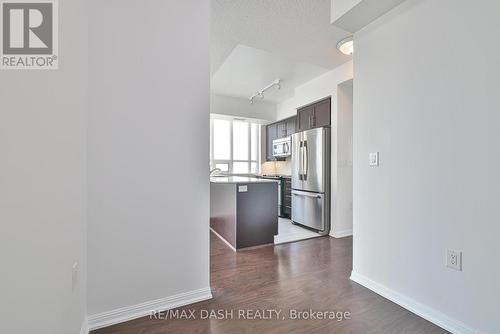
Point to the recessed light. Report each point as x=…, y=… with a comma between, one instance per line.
x=346, y=46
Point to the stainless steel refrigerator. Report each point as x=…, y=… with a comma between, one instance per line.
x=311, y=179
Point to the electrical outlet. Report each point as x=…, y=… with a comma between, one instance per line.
x=74, y=276
x=454, y=259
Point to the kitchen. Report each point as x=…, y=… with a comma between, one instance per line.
x=280, y=112
x=287, y=199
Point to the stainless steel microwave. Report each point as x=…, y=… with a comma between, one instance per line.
x=282, y=147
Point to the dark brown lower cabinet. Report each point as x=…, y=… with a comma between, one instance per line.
x=244, y=214
x=286, y=202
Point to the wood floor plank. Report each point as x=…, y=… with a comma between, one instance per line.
x=310, y=274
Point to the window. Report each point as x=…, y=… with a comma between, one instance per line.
x=235, y=146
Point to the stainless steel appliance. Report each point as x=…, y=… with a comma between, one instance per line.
x=282, y=147
x=311, y=179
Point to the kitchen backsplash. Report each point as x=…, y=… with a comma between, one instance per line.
x=277, y=167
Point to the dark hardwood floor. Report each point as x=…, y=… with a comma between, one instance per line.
x=310, y=274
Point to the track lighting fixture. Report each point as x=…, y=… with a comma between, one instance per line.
x=260, y=93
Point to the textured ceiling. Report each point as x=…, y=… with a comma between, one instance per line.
x=297, y=30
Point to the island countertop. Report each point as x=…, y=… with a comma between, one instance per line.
x=239, y=179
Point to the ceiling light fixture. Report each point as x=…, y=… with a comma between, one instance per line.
x=260, y=93
x=346, y=46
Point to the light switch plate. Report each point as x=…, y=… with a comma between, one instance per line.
x=242, y=189
x=373, y=159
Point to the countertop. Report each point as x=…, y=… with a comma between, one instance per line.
x=278, y=175
x=239, y=179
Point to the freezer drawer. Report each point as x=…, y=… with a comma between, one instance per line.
x=308, y=209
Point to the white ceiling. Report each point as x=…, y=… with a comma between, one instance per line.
x=295, y=32
x=246, y=70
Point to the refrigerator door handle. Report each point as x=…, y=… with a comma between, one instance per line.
x=305, y=161
x=300, y=161
x=306, y=195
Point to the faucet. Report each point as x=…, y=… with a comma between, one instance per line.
x=215, y=170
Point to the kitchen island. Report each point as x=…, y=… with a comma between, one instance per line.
x=243, y=210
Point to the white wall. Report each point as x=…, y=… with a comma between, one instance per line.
x=323, y=86
x=148, y=151
x=342, y=204
x=233, y=106
x=426, y=97
x=314, y=90
x=43, y=186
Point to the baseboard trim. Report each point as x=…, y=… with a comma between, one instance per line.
x=222, y=238
x=342, y=233
x=84, y=329
x=452, y=325
x=292, y=238
x=144, y=309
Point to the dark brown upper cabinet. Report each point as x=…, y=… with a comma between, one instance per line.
x=286, y=127
x=271, y=134
x=315, y=115
x=290, y=125
x=304, y=118
x=281, y=128
x=322, y=113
